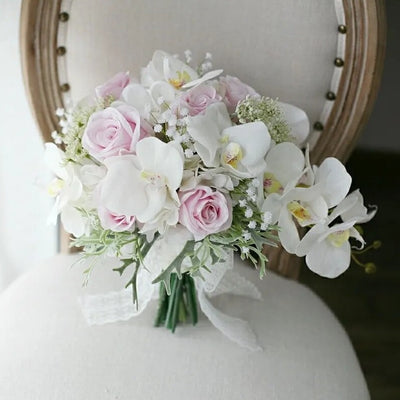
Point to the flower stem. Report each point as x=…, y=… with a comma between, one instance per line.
x=178, y=307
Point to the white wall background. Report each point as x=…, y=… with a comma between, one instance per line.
x=24, y=236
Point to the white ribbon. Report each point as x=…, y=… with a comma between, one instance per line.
x=118, y=306
x=223, y=280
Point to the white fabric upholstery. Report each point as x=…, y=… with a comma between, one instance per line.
x=283, y=49
x=49, y=353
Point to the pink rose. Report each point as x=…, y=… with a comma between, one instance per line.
x=114, y=131
x=115, y=222
x=199, y=98
x=140, y=127
x=114, y=86
x=234, y=91
x=204, y=211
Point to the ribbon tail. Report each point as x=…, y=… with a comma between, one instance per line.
x=117, y=306
x=235, y=329
x=234, y=283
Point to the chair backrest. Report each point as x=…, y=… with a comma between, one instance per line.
x=324, y=56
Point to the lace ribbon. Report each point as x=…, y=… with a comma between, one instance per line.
x=118, y=306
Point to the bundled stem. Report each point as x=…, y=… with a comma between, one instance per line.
x=180, y=306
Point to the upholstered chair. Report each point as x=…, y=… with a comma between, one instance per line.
x=324, y=56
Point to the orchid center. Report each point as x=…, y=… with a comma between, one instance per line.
x=182, y=78
x=271, y=184
x=337, y=239
x=299, y=212
x=153, y=178
x=55, y=187
x=232, y=154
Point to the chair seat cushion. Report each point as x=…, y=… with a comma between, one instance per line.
x=48, y=352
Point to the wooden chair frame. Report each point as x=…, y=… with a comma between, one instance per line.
x=365, y=32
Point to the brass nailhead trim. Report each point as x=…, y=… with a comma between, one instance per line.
x=63, y=17
x=342, y=29
x=318, y=126
x=339, y=62
x=65, y=87
x=331, y=96
x=61, y=50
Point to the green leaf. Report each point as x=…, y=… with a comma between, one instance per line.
x=175, y=266
x=125, y=264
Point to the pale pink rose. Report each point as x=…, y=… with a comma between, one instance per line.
x=234, y=91
x=204, y=211
x=198, y=99
x=140, y=127
x=114, y=86
x=113, y=131
x=115, y=222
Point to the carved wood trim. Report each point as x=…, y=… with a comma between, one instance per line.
x=362, y=69
x=38, y=41
x=360, y=80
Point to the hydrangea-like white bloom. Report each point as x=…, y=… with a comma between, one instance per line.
x=144, y=185
x=327, y=248
x=289, y=203
x=240, y=149
x=67, y=190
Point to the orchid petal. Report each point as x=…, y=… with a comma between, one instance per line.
x=356, y=235
x=254, y=139
x=358, y=210
x=206, y=131
x=288, y=234
x=122, y=190
x=172, y=66
x=336, y=181
x=138, y=97
x=52, y=217
x=72, y=221
x=273, y=204
x=156, y=199
x=54, y=159
x=286, y=162
x=161, y=158
x=74, y=190
x=343, y=207
x=204, y=78
x=298, y=122
x=318, y=209
x=162, y=89
x=327, y=260
x=310, y=239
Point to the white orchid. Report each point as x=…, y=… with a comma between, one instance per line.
x=327, y=248
x=239, y=149
x=145, y=184
x=66, y=187
x=206, y=77
x=289, y=202
x=164, y=67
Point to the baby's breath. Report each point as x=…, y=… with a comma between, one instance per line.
x=266, y=110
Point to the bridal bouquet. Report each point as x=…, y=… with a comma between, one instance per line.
x=172, y=174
